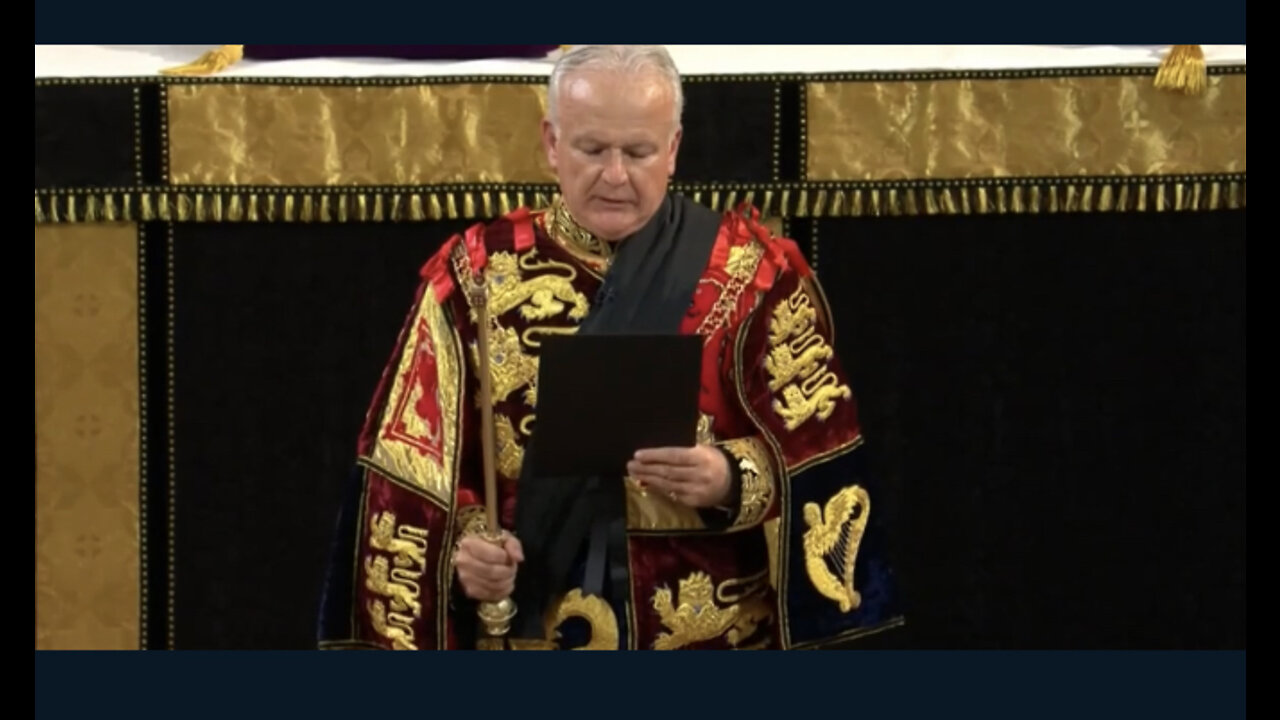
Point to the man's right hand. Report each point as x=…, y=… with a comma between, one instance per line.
x=488, y=571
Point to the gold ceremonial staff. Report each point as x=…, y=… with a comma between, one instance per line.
x=496, y=616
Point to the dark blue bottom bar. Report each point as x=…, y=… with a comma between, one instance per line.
x=991, y=685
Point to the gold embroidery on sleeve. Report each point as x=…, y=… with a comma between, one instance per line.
x=797, y=363
x=831, y=544
x=756, y=471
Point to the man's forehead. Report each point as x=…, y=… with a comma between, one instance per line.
x=601, y=86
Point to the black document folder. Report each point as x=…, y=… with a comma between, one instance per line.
x=603, y=397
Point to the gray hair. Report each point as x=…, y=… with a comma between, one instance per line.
x=624, y=58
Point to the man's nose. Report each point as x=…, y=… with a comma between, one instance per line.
x=615, y=173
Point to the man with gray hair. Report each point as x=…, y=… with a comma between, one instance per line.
x=761, y=535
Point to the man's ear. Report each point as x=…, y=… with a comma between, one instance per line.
x=675, y=150
x=549, y=143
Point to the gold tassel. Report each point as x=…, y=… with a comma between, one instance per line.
x=1183, y=70
x=210, y=63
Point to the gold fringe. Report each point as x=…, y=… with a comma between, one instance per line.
x=210, y=63
x=837, y=204
x=1183, y=70
x=821, y=202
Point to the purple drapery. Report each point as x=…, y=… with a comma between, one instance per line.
x=404, y=52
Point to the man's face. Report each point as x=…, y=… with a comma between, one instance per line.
x=615, y=150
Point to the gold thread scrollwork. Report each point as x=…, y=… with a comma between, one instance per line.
x=395, y=574
x=594, y=610
x=798, y=364
x=693, y=616
x=470, y=520
x=566, y=231
x=831, y=544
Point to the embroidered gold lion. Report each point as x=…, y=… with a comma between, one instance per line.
x=788, y=361
x=697, y=619
x=545, y=294
x=831, y=543
x=816, y=396
x=392, y=626
x=753, y=611
x=792, y=319
x=798, y=364
x=407, y=543
x=399, y=585
x=509, y=365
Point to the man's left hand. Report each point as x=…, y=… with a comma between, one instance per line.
x=697, y=476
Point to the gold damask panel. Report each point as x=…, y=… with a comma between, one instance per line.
x=1069, y=126
x=87, y=595
x=227, y=134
